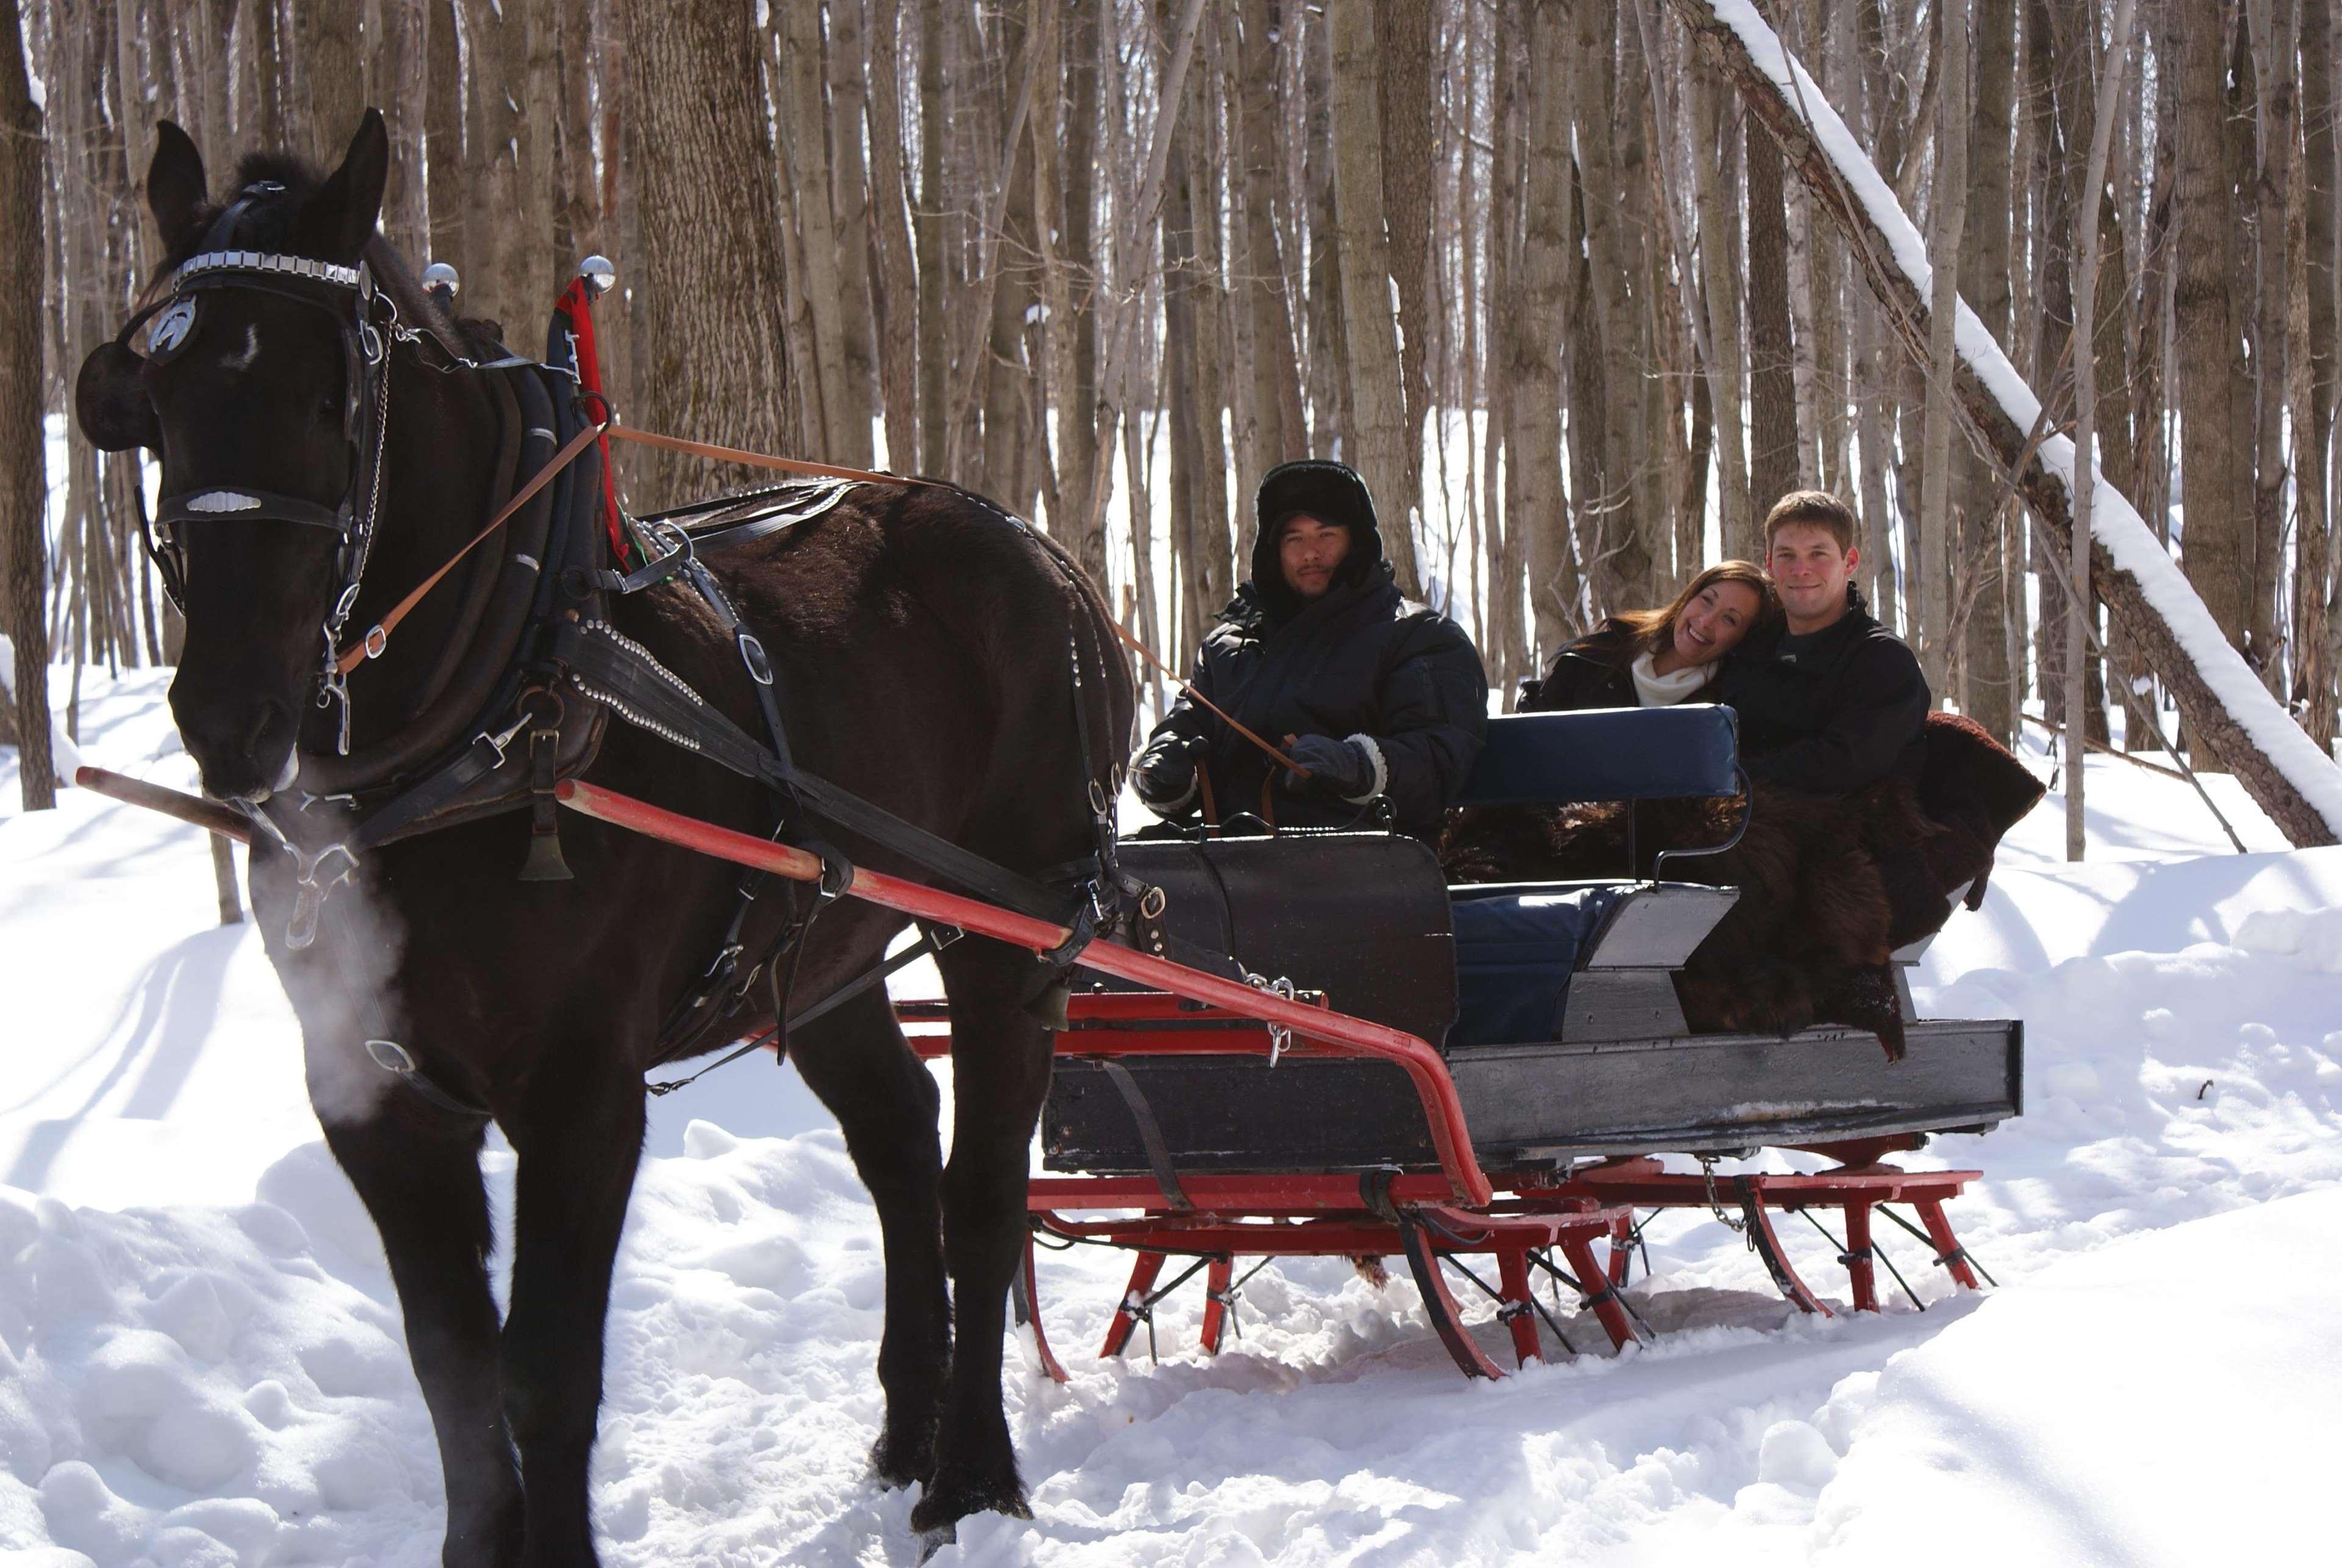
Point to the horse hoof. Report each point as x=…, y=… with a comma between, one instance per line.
x=896, y=1464
x=948, y=1502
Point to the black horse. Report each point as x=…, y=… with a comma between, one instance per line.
x=921, y=638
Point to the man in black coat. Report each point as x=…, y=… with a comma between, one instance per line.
x=1320, y=655
x=1832, y=701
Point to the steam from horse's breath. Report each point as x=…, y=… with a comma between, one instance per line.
x=340, y=990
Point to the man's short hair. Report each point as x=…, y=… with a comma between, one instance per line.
x=1817, y=508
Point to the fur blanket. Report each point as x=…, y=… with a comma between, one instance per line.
x=1829, y=887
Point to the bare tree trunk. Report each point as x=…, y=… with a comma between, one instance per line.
x=1537, y=503
x=1403, y=33
x=1506, y=526
x=2079, y=608
x=1278, y=435
x=1606, y=448
x=24, y=479
x=894, y=291
x=1993, y=690
x=712, y=351
x=857, y=367
x=1326, y=363
x=2219, y=494
x=1720, y=283
x=1369, y=329
x=1078, y=438
x=1936, y=561
x=442, y=142
x=927, y=229
x=1772, y=365
x=2312, y=374
x=260, y=51
x=804, y=123
x=331, y=74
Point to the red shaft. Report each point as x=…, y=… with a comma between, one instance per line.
x=1449, y=1134
x=186, y=808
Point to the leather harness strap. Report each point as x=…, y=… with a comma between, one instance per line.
x=370, y=645
x=760, y=460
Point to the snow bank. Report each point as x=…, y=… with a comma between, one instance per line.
x=2115, y=523
x=2062, y=1423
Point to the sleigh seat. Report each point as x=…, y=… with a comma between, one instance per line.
x=1540, y=961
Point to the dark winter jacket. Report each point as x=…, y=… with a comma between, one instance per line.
x=1830, y=712
x=1595, y=671
x=1357, y=662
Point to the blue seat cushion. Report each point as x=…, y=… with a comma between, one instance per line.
x=1516, y=948
x=1607, y=754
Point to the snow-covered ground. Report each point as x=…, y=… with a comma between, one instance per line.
x=201, y=1363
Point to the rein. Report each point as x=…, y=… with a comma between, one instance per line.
x=377, y=637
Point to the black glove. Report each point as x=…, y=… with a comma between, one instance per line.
x=1164, y=774
x=1343, y=768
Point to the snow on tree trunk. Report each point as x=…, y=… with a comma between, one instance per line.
x=2222, y=701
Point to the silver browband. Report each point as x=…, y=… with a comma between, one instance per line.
x=262, y=261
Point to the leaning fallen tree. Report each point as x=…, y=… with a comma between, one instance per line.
x=2224, y=704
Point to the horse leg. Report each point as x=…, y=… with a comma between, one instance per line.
x=857, y=1063
x=418, y=1170
x=1000, y=1074
x=578, y=1141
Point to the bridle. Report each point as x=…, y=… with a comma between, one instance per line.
x=365, y=320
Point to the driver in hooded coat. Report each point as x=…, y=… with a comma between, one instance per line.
x=1318, y=653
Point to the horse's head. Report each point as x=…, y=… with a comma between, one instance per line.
x=261, y=361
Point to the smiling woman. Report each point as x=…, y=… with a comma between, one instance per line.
x=1656, y=658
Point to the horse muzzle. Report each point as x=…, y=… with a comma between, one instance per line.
x=244, y=750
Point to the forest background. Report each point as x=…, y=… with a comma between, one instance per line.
x=1537, y=268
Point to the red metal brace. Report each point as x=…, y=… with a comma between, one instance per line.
x=1859, y=1265
x=1216, y=1302
x=1603, y=1296
x=1134, y=1296
x=1949, y=1250
x=1622, y=1247
x=1519, y=1310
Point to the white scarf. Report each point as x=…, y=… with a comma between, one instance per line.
x=1657, y=690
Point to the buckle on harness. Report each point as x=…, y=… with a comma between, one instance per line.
x=752, y=653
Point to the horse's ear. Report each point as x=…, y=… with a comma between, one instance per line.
x=111, y=402
x=174, y=184
x=349, y=206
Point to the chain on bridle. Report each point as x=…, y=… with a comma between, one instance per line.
x=365, y=318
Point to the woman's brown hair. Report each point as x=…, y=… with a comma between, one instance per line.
x=1651, y=629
